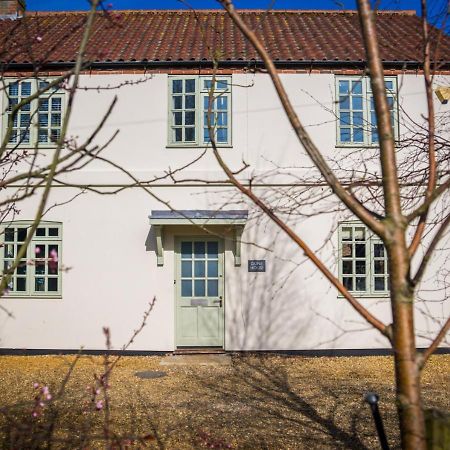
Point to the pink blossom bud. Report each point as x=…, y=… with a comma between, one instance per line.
x=48, y=397
x=39, y=38
x=45, y=390
x=41, y=404
x=54, y=255
x=34, y=414
x=35, y=385
x=37, y=250
x=99, y=405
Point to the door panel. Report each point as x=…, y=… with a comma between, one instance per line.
x=199, y=292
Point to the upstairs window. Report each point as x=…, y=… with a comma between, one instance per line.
x=363, y=263
x=39, y=271
x=39, y=121
x=356, y=119
x=189, y=103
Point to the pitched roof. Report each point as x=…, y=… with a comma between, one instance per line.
x=188, y=36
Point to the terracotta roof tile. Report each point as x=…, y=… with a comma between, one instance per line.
x=194, y=36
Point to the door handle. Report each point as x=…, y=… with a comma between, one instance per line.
x=218, y=302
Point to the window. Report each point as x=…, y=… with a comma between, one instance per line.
x=189, y=101
x=39, y=272
x=363, y=264
x=40, y=120
x=357, y=124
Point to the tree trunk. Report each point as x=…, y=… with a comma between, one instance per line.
x=407, y=373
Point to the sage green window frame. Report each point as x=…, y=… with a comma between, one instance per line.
x=35, y=265
x=35, y=111
x=200, y=120
x=368, y=121
x=373, y=261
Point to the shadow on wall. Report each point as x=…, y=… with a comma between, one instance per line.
x=266, y=309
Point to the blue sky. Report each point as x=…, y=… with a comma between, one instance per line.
x=437, y=7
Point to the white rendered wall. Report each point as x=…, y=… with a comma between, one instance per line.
x=110, y=248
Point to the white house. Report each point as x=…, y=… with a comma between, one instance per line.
x=222, y=274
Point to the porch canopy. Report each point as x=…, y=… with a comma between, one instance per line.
x=200, y=217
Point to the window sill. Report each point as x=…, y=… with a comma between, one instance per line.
x=356, y=145
x=200, y=146
x=363, y=295
x=32, y=297
x=31, y=147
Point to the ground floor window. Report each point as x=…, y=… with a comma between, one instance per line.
x=363, y=264
x=38, y=273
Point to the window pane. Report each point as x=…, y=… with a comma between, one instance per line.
x=378, y=250
x=21, y=234
x=222, y=102
x=347, y=267
x=222, y=135
x=56, y=120
x=189, y=134
x=13, y=89
x=22, y=268
x=177, y=86
x=186, y=269
x=360, y=283
x=21, y=284
x=25, y=88
x=345, y=118
x=178, y=118
x=213, y=249
x=345, y=134
x=358, y=135
x=9, y=251
x=348, y=283
x=24, y=120
x=357, y=103
x=186, y=250
x=189, y=102
x=52, y=284
x=222, y=119
x=344, y=102
x=189, y=118
x=189, y=85
x=347, y=250
x=177, y=102
x=56, y=104
x=53, y=232
x=178, y=134
x=379, y=283
x=199, y=288
x=186, y=288
x=213, y=268
x=358, y=119
x=360, y=267
x=39, y=251
x=43, y=136
x=360, y=234
x=43, y=105
x=357, y=87
x=222, y=84
x=360, y=250
x=39, y=284
x=9, y=234
x=199, y=268
x=378, y=266
x=343, y=87
x=40, y=268
x=213, y=288
x=199, y=249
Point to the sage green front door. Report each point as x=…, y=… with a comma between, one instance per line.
x=199, y=292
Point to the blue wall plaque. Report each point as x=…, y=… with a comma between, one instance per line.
x=256, y=265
